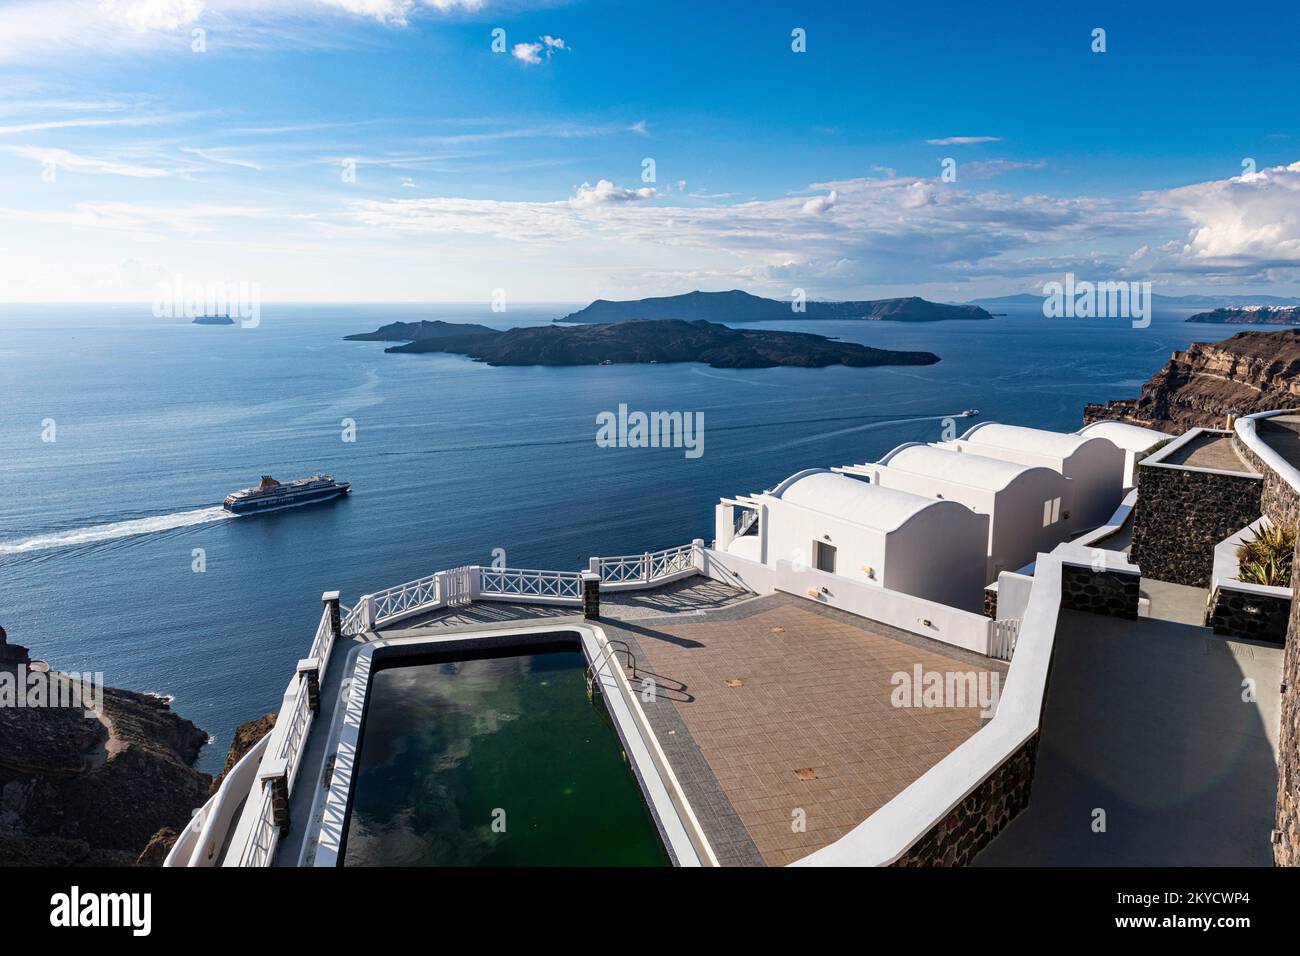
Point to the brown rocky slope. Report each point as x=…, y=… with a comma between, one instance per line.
x=1203, y=385
x=87, y=790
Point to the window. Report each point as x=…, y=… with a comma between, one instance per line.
x=824, y=556
x=1051, y=511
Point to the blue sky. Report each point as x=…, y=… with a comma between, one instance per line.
x=128, y=158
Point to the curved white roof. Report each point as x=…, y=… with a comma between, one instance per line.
x=965, y=468
x=1021, y=438
x=871, y=506
x=1126, y=436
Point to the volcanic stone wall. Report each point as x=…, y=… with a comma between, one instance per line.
x=1286, y=848
x=971, y=825
x=1256, y=617
x=1182, y=514
x=1097, y=591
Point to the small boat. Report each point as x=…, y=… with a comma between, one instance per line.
x=269, y=494
x=970, y=413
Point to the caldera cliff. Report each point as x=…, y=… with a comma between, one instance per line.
x=1209, y=381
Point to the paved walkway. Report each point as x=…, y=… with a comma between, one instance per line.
x=1145, y=721
x=1209, y=450
x=777, y=712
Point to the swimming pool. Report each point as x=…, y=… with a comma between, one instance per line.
x=488, y=751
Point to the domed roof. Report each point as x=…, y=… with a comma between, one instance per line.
x=871, y=506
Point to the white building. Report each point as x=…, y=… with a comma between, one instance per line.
x=930, y=548
x=1095, y=466
x=1023, y=502
x=1135, y=440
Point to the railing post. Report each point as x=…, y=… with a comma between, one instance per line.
x=367, y=612
x=275, y=773
x=331, y=600
x=593, y=565
x=590, y=594
x=697, y=554
x=645, y=566
x=310, y=668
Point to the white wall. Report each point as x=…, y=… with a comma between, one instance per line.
x=904, y=611
x=940, y=554
x=1017, y=533
x=792, y=529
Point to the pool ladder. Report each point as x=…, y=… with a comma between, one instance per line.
x=593, y=669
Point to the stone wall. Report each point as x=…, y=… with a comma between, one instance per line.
x=1109, y=593
x=991, y=603
x=1286, y=849
x=971, y=825
x=1259, y=617
x=1181, y=515
x=1278, y=500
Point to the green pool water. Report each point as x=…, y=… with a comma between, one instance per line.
x=495, y=761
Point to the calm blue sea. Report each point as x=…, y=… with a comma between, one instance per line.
x=156, y=420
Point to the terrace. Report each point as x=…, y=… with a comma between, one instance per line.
x=756, y=701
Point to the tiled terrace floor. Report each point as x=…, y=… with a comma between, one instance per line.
x=1209, y=450
x=779, y=705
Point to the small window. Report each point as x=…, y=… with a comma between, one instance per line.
x=824, y=556
x=1051, y=511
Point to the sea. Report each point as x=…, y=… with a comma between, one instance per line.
x=120, y=433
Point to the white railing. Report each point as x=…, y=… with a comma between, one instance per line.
x=405, y=599
x=201, y=840
x=354, y=621
x=647, y=568
x=1002, y=639
x=284, y=746
x=260, y=849
x=323, y=642
x=524, y=583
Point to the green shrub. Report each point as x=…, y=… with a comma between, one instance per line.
x=1266, y=557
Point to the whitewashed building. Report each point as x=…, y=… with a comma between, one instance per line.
x=1023, y=502
x=926, y=547
x=1135, y=441
x=1095, y=466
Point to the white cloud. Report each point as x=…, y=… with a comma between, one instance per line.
x=218, y=155
x=527, y=52
x=963, y=140
x=820, y=205
x=1246, y=223
x=531, y=53
x=605, y=192
x=77, y=163
x=144, y=15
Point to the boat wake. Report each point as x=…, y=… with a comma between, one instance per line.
x=111, y=532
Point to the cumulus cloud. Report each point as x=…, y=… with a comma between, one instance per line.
x=527, y=52
x=963, y=140
x=531, y=53
x=605, y=192
x=1246, y=223
x=820, y=205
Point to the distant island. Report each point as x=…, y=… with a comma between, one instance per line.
x=738, y=306
x=1251, y=315
x=1165, y=301
x=214, y=320
x=638, y=341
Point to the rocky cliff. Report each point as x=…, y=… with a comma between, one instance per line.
x=1249, y=372
x=90, y=789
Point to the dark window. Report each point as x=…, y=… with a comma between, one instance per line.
x=824, y=556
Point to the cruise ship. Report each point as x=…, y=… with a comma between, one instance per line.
x=270, y=494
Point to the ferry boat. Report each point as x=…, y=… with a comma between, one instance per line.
x=270, y=494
